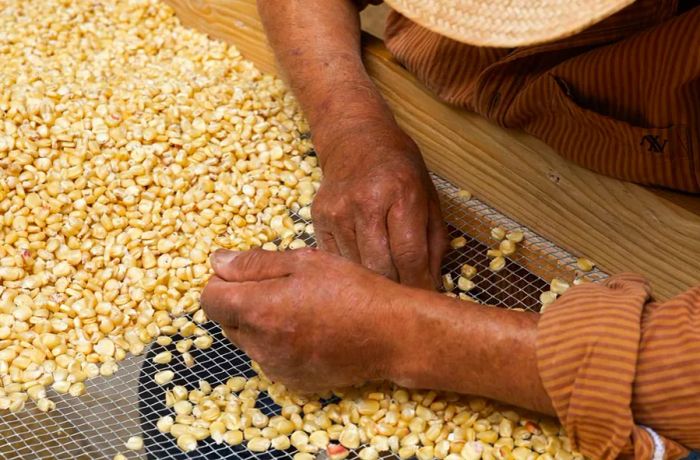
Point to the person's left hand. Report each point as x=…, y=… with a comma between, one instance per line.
x=312, y=320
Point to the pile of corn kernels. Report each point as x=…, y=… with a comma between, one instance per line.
x=130, y=149
x=378, y=419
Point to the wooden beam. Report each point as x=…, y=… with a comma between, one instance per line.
x=621, y=226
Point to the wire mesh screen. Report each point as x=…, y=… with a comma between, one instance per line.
x=130, y=402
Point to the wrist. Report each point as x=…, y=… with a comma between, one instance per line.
x=347, y=118
x=413, y=349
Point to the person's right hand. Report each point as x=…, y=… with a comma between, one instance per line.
x=377, y=205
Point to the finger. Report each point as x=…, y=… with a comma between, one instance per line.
x=373, y=244
x=346, y=241
x=221, y=303
x=253, y=265
x=322, y=229
x=233, y=335
x=230, y=303
x=325, y=240
x=437, y=242
x=408, y=239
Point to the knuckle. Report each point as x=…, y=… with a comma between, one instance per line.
x=305, y=254
x=249, y=261
x=407, y=255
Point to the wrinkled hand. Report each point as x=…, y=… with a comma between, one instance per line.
x=313, y=320
x=377, y=206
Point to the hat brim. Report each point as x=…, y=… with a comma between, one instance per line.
x=507, y=23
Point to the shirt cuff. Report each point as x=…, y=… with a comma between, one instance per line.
x=587, y=347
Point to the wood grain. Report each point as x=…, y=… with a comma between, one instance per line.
x=621, y=226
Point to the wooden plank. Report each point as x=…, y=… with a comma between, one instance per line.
x=621, y=226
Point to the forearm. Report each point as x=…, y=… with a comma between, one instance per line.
x=468, y=348
x=317, y=43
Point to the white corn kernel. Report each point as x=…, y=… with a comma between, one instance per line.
x=164, y=377
x=163, y=357
x=468, y=271
x=319, y=439
x=164, y=424
x=547, y=298
x=187, y=442
x=465, y=284
x=203, y=342
x=303, y=456
x=559, y=286
x=280, y=442
x=297, y=244
x=368, y=453
x=134, y=443
x=258, y=444
x=233, y=437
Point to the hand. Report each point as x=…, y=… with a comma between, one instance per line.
x=313, y=320
x=377, y=205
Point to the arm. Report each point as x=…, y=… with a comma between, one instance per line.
x=468, y=348
x=373, y=329
x=376, y=205
x=317, y=43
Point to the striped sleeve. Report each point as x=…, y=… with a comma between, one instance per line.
x=599, y=348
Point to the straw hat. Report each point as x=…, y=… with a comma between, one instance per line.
x=507, y=23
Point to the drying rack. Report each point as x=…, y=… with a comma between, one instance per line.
x=129, y=403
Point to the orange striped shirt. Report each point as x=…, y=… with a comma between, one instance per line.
x=621, y=98
x=615, y=363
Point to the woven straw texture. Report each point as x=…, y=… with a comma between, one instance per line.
x=507, y=23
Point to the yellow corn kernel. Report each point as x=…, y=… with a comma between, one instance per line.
x=447, y=282
x=163, y=357
x=497, y=264
x=516, y=236
x=458, y=242
x=498, y=233
x=464, y=194
x=584, y=264
x=507, y=247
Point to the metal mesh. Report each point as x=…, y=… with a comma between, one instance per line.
x=129, y=403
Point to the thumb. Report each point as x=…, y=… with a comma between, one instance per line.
x=254, y=265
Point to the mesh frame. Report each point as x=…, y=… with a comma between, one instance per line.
x=129, y=403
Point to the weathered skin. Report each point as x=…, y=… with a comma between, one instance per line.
x=317, y=321
x=376, y=205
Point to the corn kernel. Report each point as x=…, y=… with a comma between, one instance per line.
x=498, y=233
x=497, y=264
x=584, y=264
x=134, y=443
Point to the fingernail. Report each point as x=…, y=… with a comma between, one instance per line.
x=222, y=257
